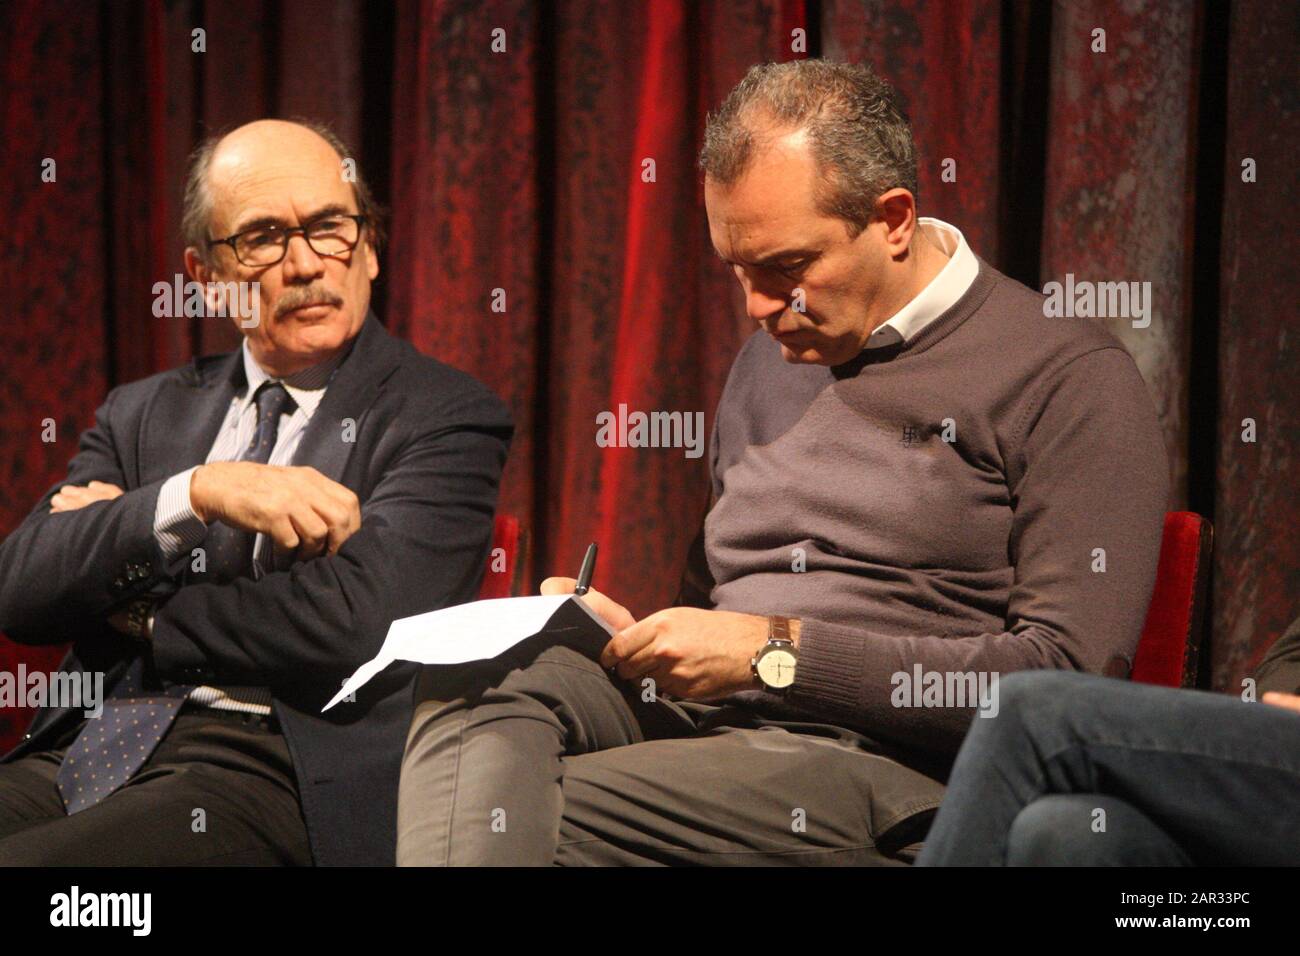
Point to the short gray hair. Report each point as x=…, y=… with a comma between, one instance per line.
x=196, y=213
x=857, y=130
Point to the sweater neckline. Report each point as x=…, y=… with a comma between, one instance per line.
x=932, y=333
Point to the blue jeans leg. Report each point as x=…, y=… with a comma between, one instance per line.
x=1218, y=776
x=1088, y=830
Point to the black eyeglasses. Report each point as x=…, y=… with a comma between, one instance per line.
x=331, y=235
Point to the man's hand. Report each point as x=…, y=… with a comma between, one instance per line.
x=298, y=507
x=72, y=497
x=615, y=615
x=1278, y=699
x=691, y=653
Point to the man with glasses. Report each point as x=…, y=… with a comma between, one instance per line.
x=234, y=538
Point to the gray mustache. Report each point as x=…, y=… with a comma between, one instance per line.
x=291, y=302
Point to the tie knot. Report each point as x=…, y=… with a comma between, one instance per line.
x=273, y=400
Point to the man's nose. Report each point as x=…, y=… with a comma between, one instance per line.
x=761, y=306
x=301, y=264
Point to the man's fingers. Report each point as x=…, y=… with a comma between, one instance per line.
x=628, y=641
x=313, y=533
x=72, y=497
x=644, y=661
x=302, y=511
x=611, y=612
x=337, y=504
x=1279, y=699
x=283, y=534
x=338, y=518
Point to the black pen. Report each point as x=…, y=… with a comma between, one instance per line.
x=588, y=567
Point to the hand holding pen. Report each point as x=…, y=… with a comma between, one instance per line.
x=614, y=614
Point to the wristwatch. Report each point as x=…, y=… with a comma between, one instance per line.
x=139, y=620
x=775, y=663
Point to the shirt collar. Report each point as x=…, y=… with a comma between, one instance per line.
x=307, y=387
x=943, y=291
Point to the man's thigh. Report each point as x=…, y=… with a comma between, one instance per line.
x=218, y=791
x=740, y=796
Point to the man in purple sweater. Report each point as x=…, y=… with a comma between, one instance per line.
x=920, y=482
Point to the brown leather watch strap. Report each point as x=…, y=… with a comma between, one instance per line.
x=778, y=628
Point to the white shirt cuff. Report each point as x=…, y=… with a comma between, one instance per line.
x=176, y=527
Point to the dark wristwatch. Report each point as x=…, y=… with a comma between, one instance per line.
x=139, y=620
x=774, y=664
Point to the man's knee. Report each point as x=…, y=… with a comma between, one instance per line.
x=1088, y=830
x=548, y=674
x=558, y=680
x=1035, y=702
x=1032, y=694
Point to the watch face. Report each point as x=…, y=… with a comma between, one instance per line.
x=776, y=668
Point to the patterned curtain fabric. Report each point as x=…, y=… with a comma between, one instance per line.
x=548, y=231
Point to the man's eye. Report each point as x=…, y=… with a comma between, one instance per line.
x=325, y=226
x=255, y=239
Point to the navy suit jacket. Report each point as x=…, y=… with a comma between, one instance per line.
x=421, y=444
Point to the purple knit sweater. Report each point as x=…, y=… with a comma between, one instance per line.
x=839, y=501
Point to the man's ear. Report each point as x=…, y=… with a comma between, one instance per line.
x=214, y=298
x=372, y=265
x=195, y=267
x=897, y=209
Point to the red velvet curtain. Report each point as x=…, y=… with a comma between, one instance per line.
x=531, y=246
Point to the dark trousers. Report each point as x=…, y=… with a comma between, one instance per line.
x=219, y=790
x=554, y=763
x=1091, y=771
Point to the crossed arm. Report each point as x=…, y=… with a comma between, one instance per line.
x=302, y=511
x=416, y=542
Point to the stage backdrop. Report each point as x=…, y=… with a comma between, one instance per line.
x=1146, y=141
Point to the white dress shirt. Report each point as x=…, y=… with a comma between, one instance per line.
x=943, y=290
x=176, y=527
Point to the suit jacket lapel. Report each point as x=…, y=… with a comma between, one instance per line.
x=329, y=439
x=188, y=411
x=185, y=415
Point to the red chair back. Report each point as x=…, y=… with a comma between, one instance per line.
x=1169, y=651
x=505, y=566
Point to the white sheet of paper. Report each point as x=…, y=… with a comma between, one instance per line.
x=476, y=631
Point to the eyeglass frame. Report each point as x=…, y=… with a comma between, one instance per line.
x=289, y=232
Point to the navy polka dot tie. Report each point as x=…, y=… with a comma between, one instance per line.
x=115, y=745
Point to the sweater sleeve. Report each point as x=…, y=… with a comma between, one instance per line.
x=1088, y=475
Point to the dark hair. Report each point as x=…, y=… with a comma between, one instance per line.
x=857, y=130
x=197, y=207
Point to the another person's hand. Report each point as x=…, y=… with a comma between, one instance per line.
x=297, y=507
x=72, y=497
x=691, y=653
x=614, y=614
x=1278, y=699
